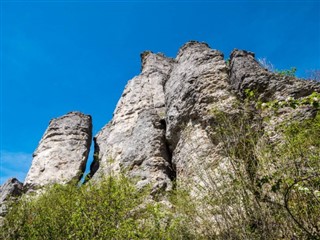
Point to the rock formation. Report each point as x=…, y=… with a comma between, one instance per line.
x=247, y=73
x=12, y=188
x=159, y=128
x=197, y=85
x=62, y=152
x=9, y=191
x=134, y=140
x=167, y=127
x=163, y=126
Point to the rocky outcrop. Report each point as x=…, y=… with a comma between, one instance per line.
x=11, y=189
x=198, y=84
x=134, y=141
x=164, y=124
x=196, y=119
x=247, y=73
x=62, y=152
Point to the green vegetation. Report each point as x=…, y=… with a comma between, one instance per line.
x=287, y=72
x=313, y=101
x=272, y=190
x=112, y=209
x=268, y=188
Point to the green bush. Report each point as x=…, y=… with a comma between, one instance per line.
x=262, y=190
x=287, y=72
x=112, y=209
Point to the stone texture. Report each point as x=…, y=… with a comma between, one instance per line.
x=11, y=189
x=246, y=73
x=163, y=127
x=62, y=152
x=134, y=140
x=165, y=124
x=197, y=86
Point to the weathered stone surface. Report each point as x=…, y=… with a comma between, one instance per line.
x=62, y=152
x=246, y=73
x=160, y=127
x=166, y=126
x=12, y=188
x=134, y=140
x=197, y=86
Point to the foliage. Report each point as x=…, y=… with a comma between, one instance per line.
x=112, y=209
x=287, y=72
x=313, y=100
x=263, y=189
x=270, y=191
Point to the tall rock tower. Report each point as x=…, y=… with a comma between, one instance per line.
x=62, y=152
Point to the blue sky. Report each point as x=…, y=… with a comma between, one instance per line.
x=61, y=56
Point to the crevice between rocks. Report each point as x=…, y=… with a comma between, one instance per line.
x=93, y=167
x=171, y=169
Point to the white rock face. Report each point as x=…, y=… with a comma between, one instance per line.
x=165, y=124
x=62, y=152
x=134, y=140
x=160, y=129
x=198, y=84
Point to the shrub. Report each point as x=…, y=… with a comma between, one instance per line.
x=112, y=209
x=287, y=72
x=266, y=64
x=259, y=190
x=268, y=191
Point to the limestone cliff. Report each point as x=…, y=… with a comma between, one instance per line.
x=163, y=126
x=135, y=140
x=218, y=127
x=62, y=152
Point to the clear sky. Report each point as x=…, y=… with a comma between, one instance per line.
x=62, y=56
